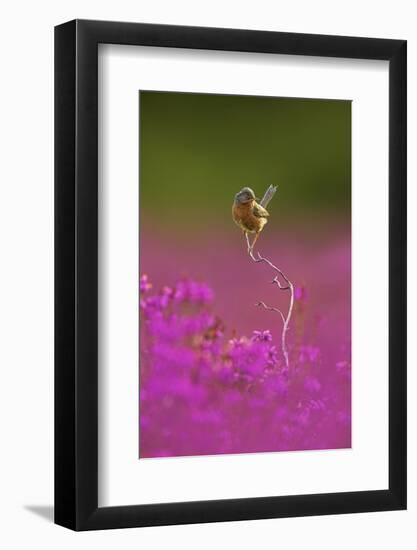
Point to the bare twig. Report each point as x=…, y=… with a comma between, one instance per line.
x=287, y=286
x=271, y=309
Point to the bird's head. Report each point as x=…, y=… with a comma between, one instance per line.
x=245, y=195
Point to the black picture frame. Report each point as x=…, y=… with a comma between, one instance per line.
x=76, y=272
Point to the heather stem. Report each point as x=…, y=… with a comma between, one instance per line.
x=287, y=286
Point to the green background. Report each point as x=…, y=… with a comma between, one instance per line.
x=198, y=150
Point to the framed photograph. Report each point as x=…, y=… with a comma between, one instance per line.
x=230, y=252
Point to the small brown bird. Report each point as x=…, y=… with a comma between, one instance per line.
x=250, y=215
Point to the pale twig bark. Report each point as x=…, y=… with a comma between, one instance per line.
x=287, y=286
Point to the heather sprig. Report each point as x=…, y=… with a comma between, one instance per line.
x=203, y=392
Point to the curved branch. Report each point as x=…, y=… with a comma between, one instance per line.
x=271, y=309
x=287, y=286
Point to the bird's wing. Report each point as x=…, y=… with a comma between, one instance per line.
x=259, y=211
x=269, y=193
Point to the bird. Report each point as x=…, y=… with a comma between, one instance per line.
x=249, y=214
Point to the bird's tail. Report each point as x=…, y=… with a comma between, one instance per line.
x=269, y=193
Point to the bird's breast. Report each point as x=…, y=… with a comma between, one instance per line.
x=244, y=218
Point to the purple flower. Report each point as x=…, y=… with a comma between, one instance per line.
x=204, y=393
x=300, y=294
x=344, y=418
x=238, y=342
x=191, y=291
x=312, y=385
x=272, y=356
x=277, y=385
x=200, y=293
x=262, y=336
x=144, y=284
x=342, y=366
x=317, y=404
x=249, y=358
x=154, y=304
x=308, y=354
x=303, y=417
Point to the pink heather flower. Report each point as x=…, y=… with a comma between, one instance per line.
x=154, y=304
x=303, y=417
x=342, y=366
x=238, y=342
x=249, y=358
x=144, y=284
x=226, y=376
x=200, y=293
x=312, y=384
x=300, y=294
x=262, y=336
x=317, y=404
x=191, y=291
x=272, y=356
x=344, y=418
x=308, y=354
x=201, y=393
x=277, y=385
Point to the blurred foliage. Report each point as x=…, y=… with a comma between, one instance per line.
x=198, y=150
